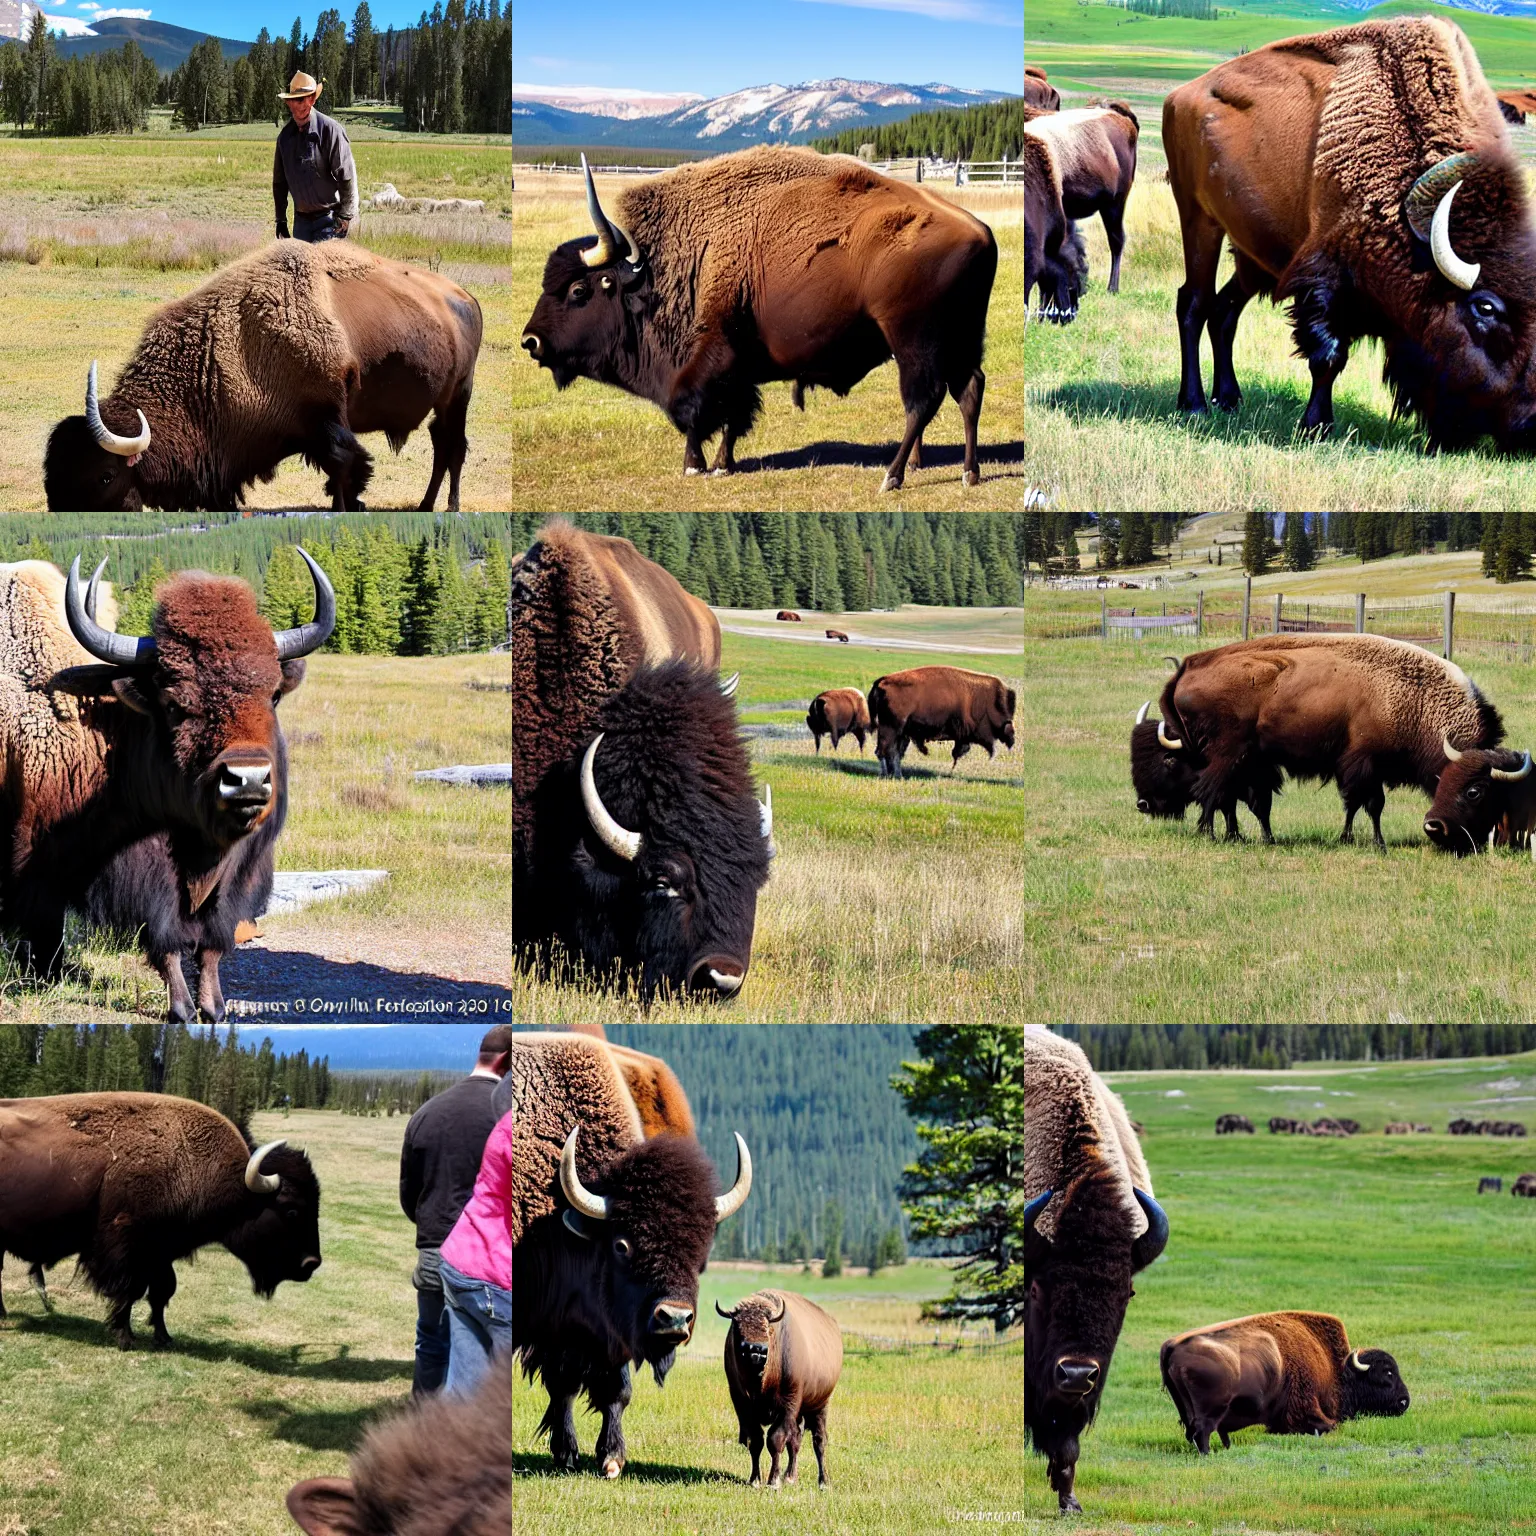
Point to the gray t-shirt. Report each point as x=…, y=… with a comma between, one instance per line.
x=314, y=166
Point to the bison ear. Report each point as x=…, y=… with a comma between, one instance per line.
x=575, y=1223
x=129, y=693
x=325, y=1506
x=91, y=682
x=293, y=674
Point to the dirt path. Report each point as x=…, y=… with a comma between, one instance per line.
x=877, y=642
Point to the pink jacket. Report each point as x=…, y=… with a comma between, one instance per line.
x=480, y=1244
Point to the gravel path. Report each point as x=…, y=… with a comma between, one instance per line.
x=878, y=642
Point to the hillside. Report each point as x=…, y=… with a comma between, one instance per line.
x=987, y=131
x=166, y=45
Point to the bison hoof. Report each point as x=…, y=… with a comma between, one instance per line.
x=693, y=469
x=722, y=470
x=1069, y=1504
x=970, y=477
x=125, y=1340
x=612, y=1467
x=890, y=483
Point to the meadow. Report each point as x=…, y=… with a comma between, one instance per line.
x=1129, y=919
x=1387, y=1233
x=888, y=902
x=593, y=447
x=209, y=1435
x=918, y=1439
x=95, y=233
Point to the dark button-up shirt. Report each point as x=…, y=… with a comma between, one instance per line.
x=314, y=166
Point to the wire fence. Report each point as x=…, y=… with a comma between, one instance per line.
x=880, y=1344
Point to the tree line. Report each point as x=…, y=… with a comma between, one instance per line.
x=987, y=131
x=1154, y=1047
x=108, y=92
x=831, y=561
x=1185, y=10
x=1049, y=539
x=1373, y=536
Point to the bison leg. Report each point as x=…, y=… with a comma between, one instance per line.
x=210, y=995
x=778, y=1433
x=1062, y=1468
x=922, y=393
x=610, y=1394
x=816, y=1422
x=1313, y=295
x=968, y=398
x=161, y=1288
x=754, y=1443
x=1196, y=299
x=1229, y=305
x=725, y=455
x=119, y=1320
x=168, y=965
x=792, y=1471
x=449, y=445
x=1113, y=214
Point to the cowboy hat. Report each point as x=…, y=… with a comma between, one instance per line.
x=301, y=85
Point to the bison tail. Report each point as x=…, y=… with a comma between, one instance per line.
x=1124, y=109
x=1164, y=1356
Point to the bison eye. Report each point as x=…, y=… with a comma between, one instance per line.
x=578, y=291
x=621, y=1247
x=1486, y=307
x=1474, y=792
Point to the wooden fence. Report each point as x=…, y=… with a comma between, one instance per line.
x=959, y=172
x=879, y=1344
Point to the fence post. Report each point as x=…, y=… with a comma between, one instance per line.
x=1200, y=613
x=1359, y=613
x=1103, y=615
x=1247, y=600
x=1450, y=622
x=1276, y=629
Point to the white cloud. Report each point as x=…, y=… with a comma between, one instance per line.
x=129, y=14
x=994, y=15
x=68, y=26
x=88, y=5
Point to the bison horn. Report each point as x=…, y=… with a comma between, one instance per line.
x=1436, y=189
x=1151, y=1242
x=1141, y=714
x=310, y=637
x=1033, y=1209
x=125, y=447
x=1173, y=743
x=728, y=1316
x=257, y=1181
x=608, y=233
x=1354, y=1360
x=617, y=839
x=1513, y=775
x=582, y=1199
x=765, y=814
x=783, y=1308
x=1450, y=751
x=120, y=650
x=736, y=1196
x=728, y=687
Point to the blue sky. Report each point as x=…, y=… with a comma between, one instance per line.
x=241, y=19
x=717, y=46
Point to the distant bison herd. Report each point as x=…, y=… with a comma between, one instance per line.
x=1323, y=1126
x=1486, y=1128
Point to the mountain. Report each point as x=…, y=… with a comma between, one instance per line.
x=772, y=114
x=603, y=101
x=166, y=45
x=377, y=1047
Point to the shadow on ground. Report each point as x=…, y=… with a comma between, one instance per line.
x=337, y=1430
x=527, y=1464
x=261, y=983
x=879, y=455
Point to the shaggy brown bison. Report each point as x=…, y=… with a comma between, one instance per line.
x=295, y=348
x=939, y=704
x=1490, y=1186
x=785, y=616
x=1055, y=255
x=837, y=713
x=783, y=1356
x=1525, y=1185
x=1515, y=104
x=1038, y=91
x=837, y=634
x=1229, y=1125
x=132, y=1182
x=1292, y=1372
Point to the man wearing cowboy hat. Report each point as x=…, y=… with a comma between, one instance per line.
x=313, y=164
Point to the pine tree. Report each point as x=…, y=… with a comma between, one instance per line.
x=450, y=622
x=756, y=588
x=851, y=573
x=495, y=595
x=1259, y=547
x=1493, y=531
x=1109, y=541
x=832, y=1240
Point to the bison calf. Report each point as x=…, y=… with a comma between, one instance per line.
x=783, y=1355
x=1292, y=1372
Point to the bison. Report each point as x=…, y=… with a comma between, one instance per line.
x=1090, y=1224
x=1483, y=797
x=609, y=1236
x=441, y=1468
x=174, y=732
x=1095, y=153
x=638, y=844
x=295, y=348
x=837, y=713
x=785, y=616
x=837, y=634
x=1515, y=104
x=1292, y=1372
x=1055, y=254
x=1490, y=1186
x=1038, y=91
x=1228, y=1125
x=132, y=1182
x=783, y=1355
x=1461, y=1128
x=939, y=704
x=772, y=263
x=1368, y=712
x=1364, y=175
x=1525, y=1185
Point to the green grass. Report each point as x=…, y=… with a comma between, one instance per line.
x=1387, y=1233
x=1130, y=919
x=887, y=902
x=209, y=1436
x=913, y=1438
x=593, y=447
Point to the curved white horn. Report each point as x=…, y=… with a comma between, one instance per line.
x=125, y=447
x=1462, y=273
x=1173, y=743
x=1354, y=1360
x=619, y=839
x=728, y=687
x=765, y=811
x=1141, y=714
x=1513, y=775
x=736, y=1196
x=582, y=1199
x=1450, y=751
x=255, y=1180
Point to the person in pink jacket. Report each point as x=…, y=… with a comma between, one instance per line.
x=477, y=1268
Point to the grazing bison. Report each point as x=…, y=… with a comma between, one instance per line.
x=837, y=634
x=783, y=1356
x=939, y=704
x=1228, y=1125
x=1095, y=153
x=1055, y=254
x=1483, y=798
x=441, y=1468
x=787, y=617
x=1515, y=104
x=609, y=1236
x=132, y=1182
x=1462, y=1128
x=1090, y=1223
x=1493, y=1186
x=772, y=263
x=295, y=348
x=1368, y=712
x=837, y=713
x=638, y=845
x=1365, y=175
x=1038, y=91
x=176, y=733
x=1349, y=1127
x=1525, y=1185
x=1292, y=1372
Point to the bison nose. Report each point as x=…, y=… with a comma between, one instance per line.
x=672, y=1321
x=245, y=785
x=1436, y=829
x=1077, y=1378
x=532, y=345
x=1144, y=806
x=309, y=1265
x=717, y=976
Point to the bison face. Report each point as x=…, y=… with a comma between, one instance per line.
x=1164, y=778
x=90, y=468
x=1373, y=1384
x=280, y=1240
x=750, y=1340
x=1475, y=793
x=646, y=1227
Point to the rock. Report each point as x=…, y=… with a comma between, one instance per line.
x=483, y=773
x=292, y=891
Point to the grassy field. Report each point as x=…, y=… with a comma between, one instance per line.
x=916, y=1441
x=1130, y=919
x=209, y=1436
x=357, y=729
x=594, y=447
x=1389, y=1234
x=887, y=902
x=96, y=233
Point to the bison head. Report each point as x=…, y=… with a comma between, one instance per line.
x=1063, y=278
x=1462, y=356
x=750, y=1338
x=1163, y=769
x=280, y=1236
x=1370, y=1382
x=1079, y=1287
x=646, y=1226
x=595, y=295
x=207, y=682
x=90, y=468
x=1474, y=795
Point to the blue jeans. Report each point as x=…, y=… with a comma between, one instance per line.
x=432, y=1338
x=479, y=1323
x=315, y=227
